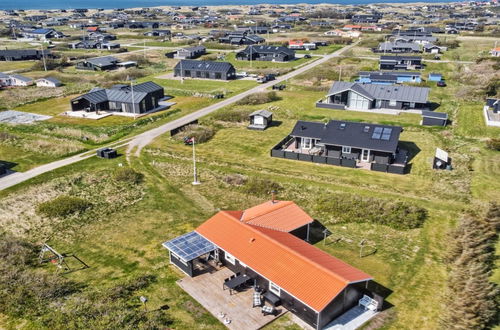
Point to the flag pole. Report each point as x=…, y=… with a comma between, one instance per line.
x=195, y=175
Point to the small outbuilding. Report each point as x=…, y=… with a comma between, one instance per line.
x=431, y=118
x=435, y=77
x=107, y=153
x=441, y=160
x=260, y=120
x=48, y=82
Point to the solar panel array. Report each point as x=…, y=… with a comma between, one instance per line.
x=382, y=133
x=189, y=246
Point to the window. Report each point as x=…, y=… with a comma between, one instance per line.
x=346, y=150
x=230, y=258
x=307, y=143
x=218, y=75
x=392, y=103
x=274, y=288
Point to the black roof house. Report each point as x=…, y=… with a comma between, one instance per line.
x=392, y=62
x=372, y=97
x=138, y=99
x=345, y=143
x=23, y=54
x=266, y=53
x=205, y=70
x=432, y=118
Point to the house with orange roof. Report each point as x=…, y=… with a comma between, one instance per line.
x=495, y=52
x=267, y=247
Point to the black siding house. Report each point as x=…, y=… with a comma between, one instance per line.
x=266, y=53
x=144, y=97
x=345, y=143
x=205, y=70
x=392, y=62
x=292, y=273
x=23, y=54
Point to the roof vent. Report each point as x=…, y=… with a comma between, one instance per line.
x=252, y=239
x=342, y=126
x=366, y=129
x=302, y=127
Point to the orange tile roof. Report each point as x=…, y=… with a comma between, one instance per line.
x=277, y=215
x=304, y=271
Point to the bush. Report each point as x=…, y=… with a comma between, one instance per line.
x=127, y=174
x=200, y=133
x=261, y=187
x=233, y=116
x=235, y=179
x=259, y=98
x=493, y=144
x=349, y=208
x=63, y=206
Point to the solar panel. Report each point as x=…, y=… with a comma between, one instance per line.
x=386, y=134
x=377, y=133
x=189, y=246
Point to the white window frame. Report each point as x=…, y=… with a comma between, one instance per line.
x=393, y=103
x=229, y=257
x=309, y=145
x=346, y=150
x=274, y=288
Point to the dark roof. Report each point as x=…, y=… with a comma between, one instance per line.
x=120, y=93
x=204, y=65
x=103, y=61
x=351, y=134
x=492, y=102
x=397, y=58
x=383, y=92
x=375, y=74
x=432, y=114
x=194, y=49
x=263, y=113
x=269, y=49
x=393, y=45
x=23, y=52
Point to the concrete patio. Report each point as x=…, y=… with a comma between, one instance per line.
x=236, y=307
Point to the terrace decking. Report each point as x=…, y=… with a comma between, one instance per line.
x=207, y=290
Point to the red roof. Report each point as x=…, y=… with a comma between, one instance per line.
x=304, y=271
x=92, y=28
x=278, y=215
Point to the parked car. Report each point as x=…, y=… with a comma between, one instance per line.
x=441, y=83
x=242, y=74
x=307, y=56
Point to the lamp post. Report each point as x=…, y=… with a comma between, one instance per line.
x=195, y=174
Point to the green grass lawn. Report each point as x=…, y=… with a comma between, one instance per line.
x=127, y=243
x=322, y=50
x=15, y=65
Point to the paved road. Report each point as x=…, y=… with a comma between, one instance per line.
x=140, y=141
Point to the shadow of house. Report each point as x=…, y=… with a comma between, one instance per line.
x=412, y=149
x=6, y=167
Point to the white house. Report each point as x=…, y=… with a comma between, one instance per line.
x=48, y=82
x=18, y=80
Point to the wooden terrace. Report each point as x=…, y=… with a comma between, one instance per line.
x=207, y=289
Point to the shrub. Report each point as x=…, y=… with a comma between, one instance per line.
x=493, y=144
x=235, y=179
x=63, y=206
x=234, y=116
x=260, y=187
x=127, y=174
x=200, y=133
x=259, y=98
x=349, y=208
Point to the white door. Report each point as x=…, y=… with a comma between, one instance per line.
x=365, y=155
x=258, y=120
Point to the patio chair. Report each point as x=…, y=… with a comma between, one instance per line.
x=268, y=310
x=257, y=300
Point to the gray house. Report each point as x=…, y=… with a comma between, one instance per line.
x=359, y=96
x=345, y=143
x=190, y=52
x=24, y=54
x=266, y=53
x=205, y=70
x=121, y=98
x=432, y=118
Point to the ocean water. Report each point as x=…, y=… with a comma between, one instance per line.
x=110, y=4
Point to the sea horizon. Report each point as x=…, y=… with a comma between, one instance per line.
x=113, y=4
